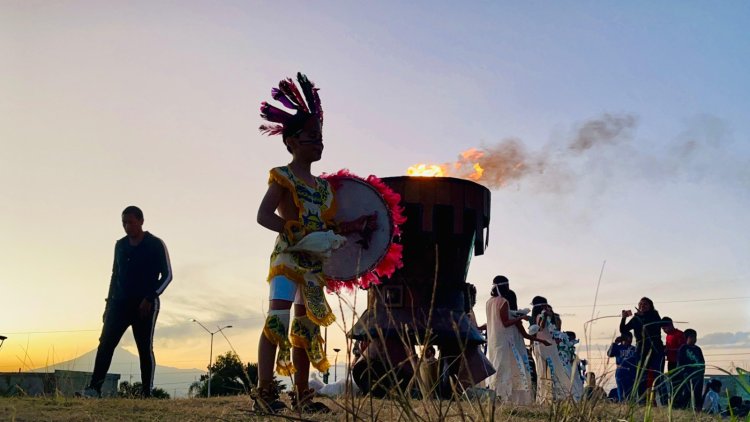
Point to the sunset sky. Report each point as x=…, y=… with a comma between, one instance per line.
x=108, y=104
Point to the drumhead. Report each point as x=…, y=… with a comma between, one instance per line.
x=355, y=198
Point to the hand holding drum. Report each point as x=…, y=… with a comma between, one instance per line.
x=364, y=226
x=363, y=217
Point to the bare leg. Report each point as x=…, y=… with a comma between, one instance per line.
x=266, y=349
x=299, y=358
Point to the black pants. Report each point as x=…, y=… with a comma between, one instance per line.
x=690, y=393
x=651, y=367
x=119, y=316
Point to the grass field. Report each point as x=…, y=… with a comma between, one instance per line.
x=238, y=409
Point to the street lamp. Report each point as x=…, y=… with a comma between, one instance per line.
x=2, y=340
x=211, y=355
x=335, y=362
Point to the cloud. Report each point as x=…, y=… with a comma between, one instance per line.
x=726, y=339
x=175, y=327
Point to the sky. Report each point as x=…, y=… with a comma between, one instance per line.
x=108, y=104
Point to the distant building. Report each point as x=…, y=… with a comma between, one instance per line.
x=65, y=383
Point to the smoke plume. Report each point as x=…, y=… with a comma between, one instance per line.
x=508, y=161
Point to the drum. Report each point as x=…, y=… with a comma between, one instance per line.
x=356, y=198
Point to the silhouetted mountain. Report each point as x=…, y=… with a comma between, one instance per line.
x=174, y=381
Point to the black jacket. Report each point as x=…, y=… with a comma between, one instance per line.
x=141, y=271
x=647, y=332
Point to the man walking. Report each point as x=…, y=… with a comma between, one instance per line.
x=140, y=273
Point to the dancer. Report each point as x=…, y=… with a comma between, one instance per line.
x=506, y=349
x=305, y=205
x=474, y=367
x=553, y=375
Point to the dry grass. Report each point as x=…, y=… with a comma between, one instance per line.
x=238, y=409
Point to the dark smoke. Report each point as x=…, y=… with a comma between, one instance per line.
x=606, y=130
x=508, y=161
x=600, y=149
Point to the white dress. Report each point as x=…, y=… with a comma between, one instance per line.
x=553, y=376
x=507, y=353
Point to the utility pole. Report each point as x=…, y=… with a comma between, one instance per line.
x=211, y=353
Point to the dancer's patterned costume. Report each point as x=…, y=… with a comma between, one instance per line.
x=316, y=210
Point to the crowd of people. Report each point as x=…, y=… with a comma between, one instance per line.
x=641, y=373
x=549, y=368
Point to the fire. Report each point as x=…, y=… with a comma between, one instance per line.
x=478, y=170
x=467, y=167
x=472, y=154
x=425, y=170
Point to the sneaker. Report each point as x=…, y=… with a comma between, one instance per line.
x=304, y=402
x=89, y=393
x=314, y=407
x=266, y=400
x=272, y=407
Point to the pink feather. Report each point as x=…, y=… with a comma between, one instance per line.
x=273, y=114
x=279, y=96
x=271, y=130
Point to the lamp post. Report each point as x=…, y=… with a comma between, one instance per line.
x=2, y=340
x=335, y=362
x=211, y=355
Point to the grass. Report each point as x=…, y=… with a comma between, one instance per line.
x=400, y=405
x=237, y=408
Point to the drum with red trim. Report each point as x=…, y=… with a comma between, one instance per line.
x=355, y=198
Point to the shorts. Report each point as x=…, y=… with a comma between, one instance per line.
x=284, y=289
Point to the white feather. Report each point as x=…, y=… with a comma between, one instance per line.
x=320, y=243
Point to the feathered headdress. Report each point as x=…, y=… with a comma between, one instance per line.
x=288, y=95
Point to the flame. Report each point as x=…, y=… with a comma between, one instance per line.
x=425, y=170
x=467, y=167
x=472, y=154
x=478, y=170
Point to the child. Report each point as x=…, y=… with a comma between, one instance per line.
x=711, y=401
x=675, y=340
x=691, y=367
x=592, y=391
x=296, y=204
x=626, y=357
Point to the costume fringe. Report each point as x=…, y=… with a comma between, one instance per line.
x=284, y=365
x=306, y=335
x=287, y=272
x=327, y=320
x=274, y=176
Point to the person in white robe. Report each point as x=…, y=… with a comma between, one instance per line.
x=506, y=348
x=553, y=375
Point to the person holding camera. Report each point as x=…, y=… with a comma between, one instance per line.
x=646, y=326
x=626, y=357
